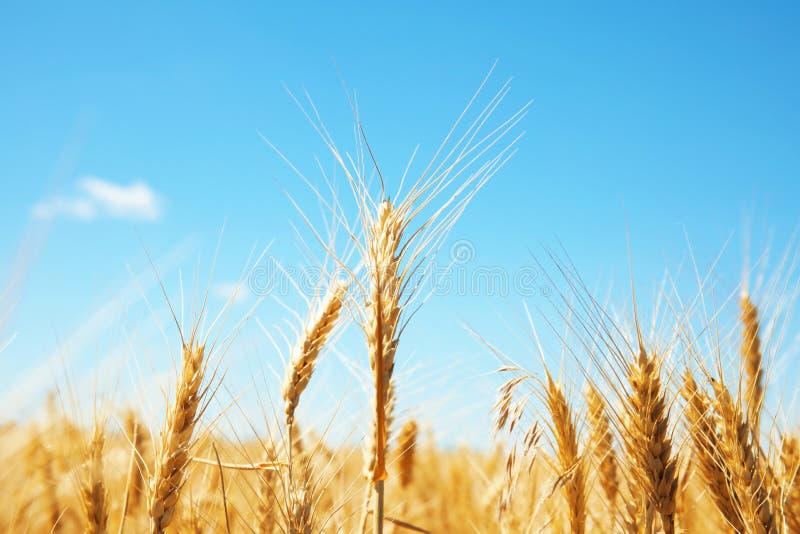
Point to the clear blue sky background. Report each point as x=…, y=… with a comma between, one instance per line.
x=659, y=116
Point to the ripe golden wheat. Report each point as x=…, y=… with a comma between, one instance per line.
x=671, y=435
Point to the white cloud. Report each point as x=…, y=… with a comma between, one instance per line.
x=100, y=198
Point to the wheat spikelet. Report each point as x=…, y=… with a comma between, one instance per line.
x=753, y=362
x=741, y=457
x=172, y=456
x=93, y=489
x=304, y=354
x=646, y=440
x=708, y=462
x=570, y=462
x=602, y=443
x=407, y=442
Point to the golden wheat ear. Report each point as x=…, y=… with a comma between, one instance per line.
x=647, y=439
x=315, y=334
x=382, y=327
x=708, y=460
x=752, y=361
x=406, y=445
x=571, y=462
x=172, y=454
x=748, y=476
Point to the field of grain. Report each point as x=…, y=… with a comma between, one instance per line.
x=662, y=427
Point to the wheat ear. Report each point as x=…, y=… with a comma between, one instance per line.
x=307, y=349
x=741, y=456
x=407, y=443
x=646, y=440
x=93, y=490
x=753, y=362
x=602, y=443
x=702, y=427
x=172, y=456
x=571, y=466
x=382, y=328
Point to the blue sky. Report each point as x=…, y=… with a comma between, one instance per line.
x=646, y=119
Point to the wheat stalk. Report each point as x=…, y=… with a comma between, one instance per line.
x=382, y=328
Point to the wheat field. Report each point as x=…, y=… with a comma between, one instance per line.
x=665, y=426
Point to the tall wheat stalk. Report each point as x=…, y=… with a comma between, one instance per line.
x=392, y=252
x=382, y=322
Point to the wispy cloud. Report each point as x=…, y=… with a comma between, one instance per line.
x=97, y=198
